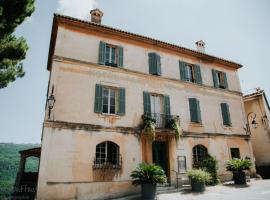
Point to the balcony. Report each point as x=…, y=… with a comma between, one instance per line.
x=163, y=120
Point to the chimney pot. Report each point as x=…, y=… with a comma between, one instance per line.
x=200, y=46
x=96, y=16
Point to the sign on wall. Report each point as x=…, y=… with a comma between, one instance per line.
x=182, y=166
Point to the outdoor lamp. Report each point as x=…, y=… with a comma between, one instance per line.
x=51, y=101
x=254, y=124
x=251, y=116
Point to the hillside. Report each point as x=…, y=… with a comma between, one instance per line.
x=9, y=163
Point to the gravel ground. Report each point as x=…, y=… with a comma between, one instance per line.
x=254, y=190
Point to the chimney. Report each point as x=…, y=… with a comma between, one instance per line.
x=200, y=46
x=96, y=16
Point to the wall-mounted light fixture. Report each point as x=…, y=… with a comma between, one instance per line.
x=251, y=116
x=51, y=100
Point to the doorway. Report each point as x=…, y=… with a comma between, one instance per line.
x=160, y=155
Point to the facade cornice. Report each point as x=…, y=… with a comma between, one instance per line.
x=207, y=135
x=89, y=64
x=85, y=25
x=130, y=130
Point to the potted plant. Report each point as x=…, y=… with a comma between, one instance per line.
x=149, y=125
x=148, y=176
x=210, y=164
x=174, y=124
x=198, y=178
x=237, y=167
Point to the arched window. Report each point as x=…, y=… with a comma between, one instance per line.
x=199, y=154
x=107, y=155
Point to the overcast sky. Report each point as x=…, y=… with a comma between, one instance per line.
x=238, y=30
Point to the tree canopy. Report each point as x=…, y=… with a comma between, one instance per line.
x=12, y=49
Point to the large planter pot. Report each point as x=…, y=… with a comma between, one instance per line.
x=148, y=191
x=239, y=178
x=197, y=186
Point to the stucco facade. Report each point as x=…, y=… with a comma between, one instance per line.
x=260, y=137
x=73, y=130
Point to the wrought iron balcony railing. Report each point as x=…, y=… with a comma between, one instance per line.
x=114, y=163
x=163, y=120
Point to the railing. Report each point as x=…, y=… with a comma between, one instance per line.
x=163, y=120
x=108, y=164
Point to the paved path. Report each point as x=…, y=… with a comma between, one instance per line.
x=255, y=190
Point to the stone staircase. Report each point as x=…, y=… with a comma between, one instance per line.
x=161, y=189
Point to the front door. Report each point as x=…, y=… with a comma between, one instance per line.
x=160, y=155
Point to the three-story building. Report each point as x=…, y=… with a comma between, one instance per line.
x=103, y=80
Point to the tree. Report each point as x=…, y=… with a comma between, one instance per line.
x=12, y=50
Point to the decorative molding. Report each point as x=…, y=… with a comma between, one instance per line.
x=76, y=62
x=132, y=130
x=208, y=135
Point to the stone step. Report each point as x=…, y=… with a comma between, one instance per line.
x=162, y=188
x=167, y=191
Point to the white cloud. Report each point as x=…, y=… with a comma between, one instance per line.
x=76, y=8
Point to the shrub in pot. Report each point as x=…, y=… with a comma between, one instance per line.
x=237, y=167
x=198, y=179
x=210, y=164
x=148, y=176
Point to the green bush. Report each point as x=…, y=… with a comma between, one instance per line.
x=173, y=123
x=199, y=175
x=148, y=173
x=210, y=164
x=238, y=165
x=149, y=125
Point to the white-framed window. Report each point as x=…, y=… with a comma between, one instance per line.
x=199, y=154
x=107, y=152
x=221, y=80
x=111, y=55
x=109, y=100
x=190, y=74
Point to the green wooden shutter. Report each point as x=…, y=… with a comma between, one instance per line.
x=98, y=99
x=121, y=101
x=182, y=66
x=158, y=60
x=225, y=80
x=102, y=53
x=199, y=117
x=225, y=114
x=151, y=61
x=194, y=108
x=167, y=108
x=154, y=64
x=146, y=103
x=120, y=56
x=198, y=76
x=214, y=74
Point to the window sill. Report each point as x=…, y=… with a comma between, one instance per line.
x=109, y=115
x=227, y=127
x=197, y=124
x=111, y=64
x=155, y=74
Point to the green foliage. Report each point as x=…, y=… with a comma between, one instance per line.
x=199, y=175
x=12, y=50
x=238, y=165
x=148, y=173
x=210, y=164
x=9, y=164
x=174, y=124
x=149, y=125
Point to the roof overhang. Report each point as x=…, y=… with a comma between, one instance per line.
x=73, y=22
